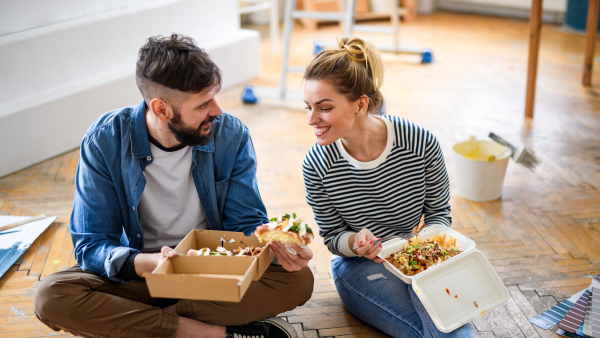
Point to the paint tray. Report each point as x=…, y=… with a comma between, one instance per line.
x=457, y=290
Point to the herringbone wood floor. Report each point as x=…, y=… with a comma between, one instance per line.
x=540, y=236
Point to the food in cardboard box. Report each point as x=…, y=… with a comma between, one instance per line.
x=286, y=229
x=221, y=251
x=420, y=254
x=248, y=251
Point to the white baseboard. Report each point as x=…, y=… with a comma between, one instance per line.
x=548, y=16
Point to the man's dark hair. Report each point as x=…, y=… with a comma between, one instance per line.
x=174, y=62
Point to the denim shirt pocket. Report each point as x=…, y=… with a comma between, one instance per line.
x=222, y=188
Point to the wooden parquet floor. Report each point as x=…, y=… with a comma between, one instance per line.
x=542, y=237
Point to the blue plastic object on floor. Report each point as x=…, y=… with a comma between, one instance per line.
x=248, y=95
x=427, y=56
x=318, y=47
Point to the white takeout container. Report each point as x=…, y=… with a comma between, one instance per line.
x=450, y=290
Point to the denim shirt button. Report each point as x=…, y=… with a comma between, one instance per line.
x=133, y=208
x=139, y=236
x=149, y=158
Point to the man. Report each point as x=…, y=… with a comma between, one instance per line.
x=146, y=177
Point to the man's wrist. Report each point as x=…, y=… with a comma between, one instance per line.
x=127, y=271
x=145, y=263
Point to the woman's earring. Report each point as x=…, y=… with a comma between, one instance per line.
x=357, y=114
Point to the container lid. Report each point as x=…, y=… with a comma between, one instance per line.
x=460, y=291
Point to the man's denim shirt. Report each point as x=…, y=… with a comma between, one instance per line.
x=105, y=222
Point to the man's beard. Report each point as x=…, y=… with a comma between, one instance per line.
x=190, y=136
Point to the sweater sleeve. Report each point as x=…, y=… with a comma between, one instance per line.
x=332, y=226
x=437, y=195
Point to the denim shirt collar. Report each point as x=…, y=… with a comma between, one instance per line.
x=140, y=144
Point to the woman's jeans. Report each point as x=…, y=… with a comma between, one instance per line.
x=386, y=303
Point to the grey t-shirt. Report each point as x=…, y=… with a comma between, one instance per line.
x=170, y=206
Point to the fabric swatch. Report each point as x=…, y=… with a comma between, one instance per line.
x=549, y=318
x=586, y=320
x=594, y=329
x=576, y=314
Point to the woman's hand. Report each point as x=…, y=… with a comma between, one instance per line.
x=366, y=248
x=289, y=261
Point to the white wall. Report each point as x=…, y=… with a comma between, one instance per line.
x=64, y=63
x=20, y=15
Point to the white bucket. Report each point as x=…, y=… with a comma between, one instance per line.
x=479, y=177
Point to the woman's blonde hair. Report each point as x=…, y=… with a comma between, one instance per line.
x=354, y=69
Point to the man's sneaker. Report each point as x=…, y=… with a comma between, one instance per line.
x=266, y=328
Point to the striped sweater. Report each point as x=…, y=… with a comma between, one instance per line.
x=387, y=195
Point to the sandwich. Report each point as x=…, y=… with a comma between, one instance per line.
x=286, y=229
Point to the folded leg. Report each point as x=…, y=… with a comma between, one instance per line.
x=276, y=292
x=85, y=304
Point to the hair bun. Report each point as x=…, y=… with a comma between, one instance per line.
x=355, y=50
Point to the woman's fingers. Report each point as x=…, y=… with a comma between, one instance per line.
x=363, y=238
x=373, y=254
x=366, y=244
x=374, y=250
x=367, y=247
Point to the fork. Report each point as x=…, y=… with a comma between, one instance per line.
x=402, y=236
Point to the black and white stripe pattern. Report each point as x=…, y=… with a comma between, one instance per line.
x=387, y=199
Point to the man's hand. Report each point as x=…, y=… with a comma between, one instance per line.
x=148, y=262
x=289, y=261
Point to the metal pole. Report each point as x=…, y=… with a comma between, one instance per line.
x=349, y=19
x=275, y=25
x=396, y=24
x=288, y=23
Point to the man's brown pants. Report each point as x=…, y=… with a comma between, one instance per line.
x=87, y=305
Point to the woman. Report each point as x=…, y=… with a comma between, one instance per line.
x=370, y=176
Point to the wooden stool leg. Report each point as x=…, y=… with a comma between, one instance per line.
x=590, y=41
x=535, y=25
x=411, y=10
x=309, y=5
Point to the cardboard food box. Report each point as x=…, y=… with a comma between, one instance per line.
x=456, y=291
x=214, y=278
